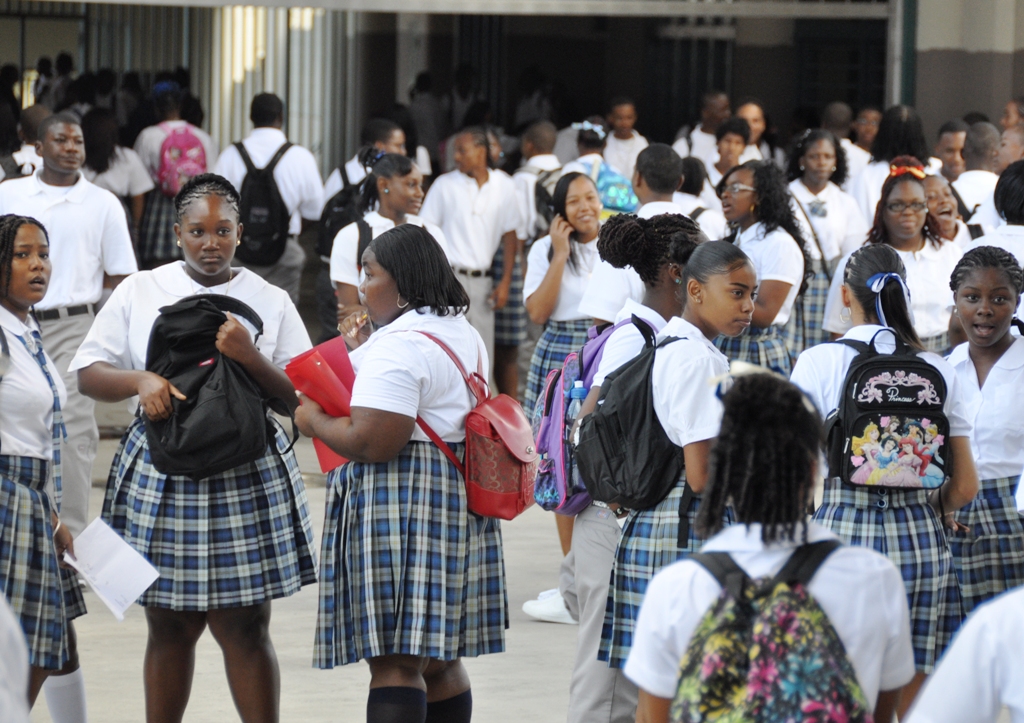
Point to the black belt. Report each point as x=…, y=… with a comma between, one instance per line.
x=51, y=314
x=472, y=273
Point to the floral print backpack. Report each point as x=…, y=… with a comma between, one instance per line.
x=766, y=651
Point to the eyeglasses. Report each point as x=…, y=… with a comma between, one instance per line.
x=899, y=207
x=735, y=188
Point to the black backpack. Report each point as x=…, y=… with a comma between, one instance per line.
x=543, y=200
x=10, y=168
x=223, y=421
x=889, y=429
x=340, y=210
x=262, y=211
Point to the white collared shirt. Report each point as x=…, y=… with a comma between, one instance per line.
x=583, y=164
x=120, y=334
x=474, y=218
x=684, y=397
x=983, y=670
x=841, y=230
x=711, y=221
x=928, y=273
x=148, y=144
x=626, y=342
x=126, y=176
x=403, y=372
x=860, y=591
x=987, y=217
x=525, y=180
x=345, y=268
x=1008, y=237
x=88, y=233
x=26, y=425
x=857, y=160
x=776, y=257
x=574, y=280
x=296, y=174
x=997, y=440
x=821, y=371
x=703, y=145
x=975, y=186
x=28, y=159
x=354, y=170
x=621, y=154
x=866, y=187
x=963, y=235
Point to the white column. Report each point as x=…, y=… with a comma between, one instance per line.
x=410, y=52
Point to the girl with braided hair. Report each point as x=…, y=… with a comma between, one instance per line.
x=905, y=525
x=228, y=544
x=986, y=546
x=44, y=595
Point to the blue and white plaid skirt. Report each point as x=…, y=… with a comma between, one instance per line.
x=406, y=568
x=510, y=320
x=649, y=542
x=239, y=538
x=157, y=242
x=938, y=344
x=805, y=328
x=990, y=558
x=560, y=338
x=901, y=525
x=43, y=595
x=763, y=347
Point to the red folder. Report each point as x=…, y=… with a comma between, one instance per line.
x=325, y=375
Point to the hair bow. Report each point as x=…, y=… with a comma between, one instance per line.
x=165, y=86
x=877, y=282
x=588, y=126
x=897, y=171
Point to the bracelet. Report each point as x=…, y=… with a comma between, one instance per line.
x=55, y=529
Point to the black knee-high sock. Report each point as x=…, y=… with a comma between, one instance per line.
x=458, y=709
x=396, y=705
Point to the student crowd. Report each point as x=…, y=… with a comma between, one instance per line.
x=685, y=260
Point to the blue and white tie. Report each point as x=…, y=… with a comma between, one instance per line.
x=60, y=432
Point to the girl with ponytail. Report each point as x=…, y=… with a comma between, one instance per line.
x=906, y=525
x=987, y=285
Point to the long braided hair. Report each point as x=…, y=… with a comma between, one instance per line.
x=205, y=184
x=9, y=226
x=763, y=461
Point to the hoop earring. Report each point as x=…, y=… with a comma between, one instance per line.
x=402, y=306
x=847, y=316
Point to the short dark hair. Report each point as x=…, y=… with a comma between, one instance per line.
x=837, y=118
x=974, y=116
x=661, y=167
x=414, y=259
x=735, y=125
x=981, y=144
x=694, y=176
x=711, y=96
x=543, y=135
x=57, y=119
x=1009, y=194
x=953, y=126
x=65, y=64
x=266, y=110
x=900, y=133
x=378, y=130
x=621, y=100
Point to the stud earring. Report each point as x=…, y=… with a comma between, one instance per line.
x=845, y=314
x=833, y=169
x=179, y=244
x=678, y=281
x=387, y=190
x=802, y=168
x=238, y=242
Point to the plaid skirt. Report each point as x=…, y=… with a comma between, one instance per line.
x=510, y=320
x=649, y=542
x=763, y=347
x=157, y=242
x=938, y=344
x=901, y=525
x=43, y=595
x=560, y=338
x=406, y=569
x=990, y=558
x=239, y=538
x=805, y=328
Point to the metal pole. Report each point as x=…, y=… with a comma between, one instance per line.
x=894, y=51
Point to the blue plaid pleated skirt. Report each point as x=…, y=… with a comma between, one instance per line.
x=763, y=347
x=649, y=542
x=901, y=525
x=406, y=569
x=990, y=558
x=938, y=344
x=560, y=338
x=242, y=537
x=157, y=242
x=510, y=320
x=805, y=329
x=43, y=595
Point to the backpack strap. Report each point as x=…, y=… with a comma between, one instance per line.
x=684, y=519
x=805, y=561
x=250, y=167
x=961, y=207
x=269, y=168
x=345, y=183
x=365, y=237
x=724, y=569
x=817, y=241
x=695, y=213
x=234, y=306
x=645, y=330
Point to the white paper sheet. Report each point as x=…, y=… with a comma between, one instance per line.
x=114, y=570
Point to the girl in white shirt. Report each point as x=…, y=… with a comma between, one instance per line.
x=558, y=271
x=718, y=286
x=906, y=525
x=44, y=596
x=763, y=466
x=988, y=547
x=900, y=133
x=832, y=223
x=410, y=580
x=226, y=545
x=756, y=203
x=590, y=142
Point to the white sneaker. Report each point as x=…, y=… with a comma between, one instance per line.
x=549, y=608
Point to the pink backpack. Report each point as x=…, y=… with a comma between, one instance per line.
x=182, y=157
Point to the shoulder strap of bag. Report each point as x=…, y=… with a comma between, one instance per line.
x=805, y=561
x=817, y=241
x=725, y=570
x=645, y=330
x=250, y=167
x=961, y=207
x=595, y=171
x=345, y=183
x=696, y=213
x=234, y=306
x=269, y=168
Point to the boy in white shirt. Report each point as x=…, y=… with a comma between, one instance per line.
x=701, y=143
x=624, y=144
x=981, y=158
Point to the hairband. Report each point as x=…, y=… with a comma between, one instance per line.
x=165, y=86
x=897, y=171
x=588, y=126
x=877, y=282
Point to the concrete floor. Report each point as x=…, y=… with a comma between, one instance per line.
x=529, y=682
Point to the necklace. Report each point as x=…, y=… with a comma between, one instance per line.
x=199, y=289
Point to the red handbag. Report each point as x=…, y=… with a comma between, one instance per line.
x=501, y=457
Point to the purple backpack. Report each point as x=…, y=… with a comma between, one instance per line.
x=559, y=487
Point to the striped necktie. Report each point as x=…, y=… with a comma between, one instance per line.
x=60, y=432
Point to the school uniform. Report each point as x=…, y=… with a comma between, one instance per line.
x=621, y=153
x=254, y=515
x=857, y=160
x=28, y=159
x=14, y=671
x=346, y=268
x=859, y=590
x=931, y=301
x=963, y=235
x=565, y=331
x=975, y=186
x=1009, y=237
x=157, y=242
x=43, y=596
x=525, y=179
x=776, y=256
x=866, y=186
x=510, y=320
x=597, y=693
x=702, y=145
x=899, y=523
x=444, y=596
x=990, y=558
x=354, y=171
x=987, y=217
x=983, y=672
x=584, y=164
x=832, y=226
x=125, y=177
x=474, y=219
x=298, y=181
x=710, y=220
x=88, y=234
x=688, y=410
